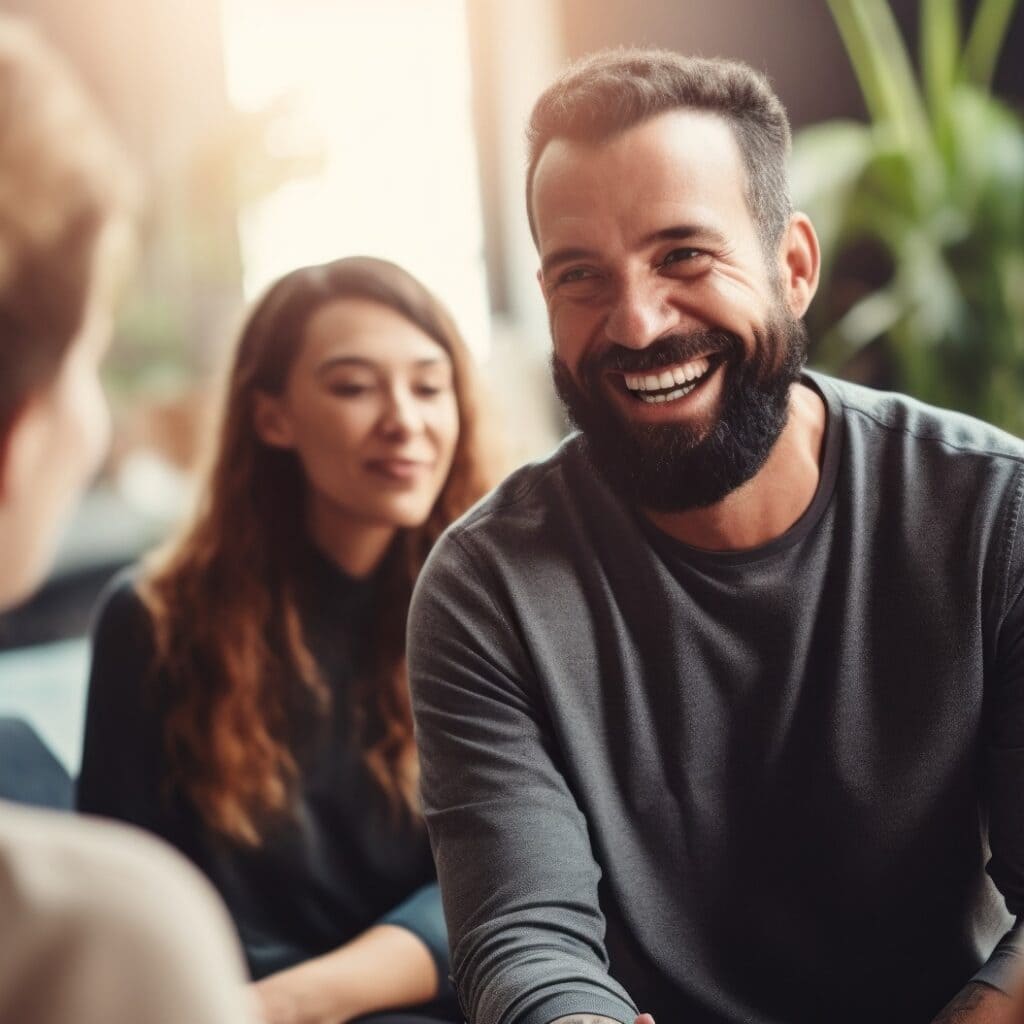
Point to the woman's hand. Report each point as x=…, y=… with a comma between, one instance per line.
x=386, y=967
x=276, y=1002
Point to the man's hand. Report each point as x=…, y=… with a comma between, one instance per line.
x=644, y=1018
x=978, y=1004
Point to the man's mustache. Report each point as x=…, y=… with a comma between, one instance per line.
x=666, y=351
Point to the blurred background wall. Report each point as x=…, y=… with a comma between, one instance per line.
x=273, y=133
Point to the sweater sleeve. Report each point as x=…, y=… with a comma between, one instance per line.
x=122, y=751
x=423, y=915
x=1005, y=784
x=513, y=855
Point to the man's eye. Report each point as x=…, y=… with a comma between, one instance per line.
x=681, y=256
x=574, y=274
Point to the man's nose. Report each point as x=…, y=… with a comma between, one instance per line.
x=641, y=314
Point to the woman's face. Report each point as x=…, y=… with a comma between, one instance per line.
x=369, y=408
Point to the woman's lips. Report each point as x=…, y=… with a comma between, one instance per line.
x=398, y=470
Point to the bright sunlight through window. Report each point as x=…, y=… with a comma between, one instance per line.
x=382, y=89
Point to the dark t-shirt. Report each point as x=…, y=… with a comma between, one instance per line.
x=339, y=864
x=749, y=787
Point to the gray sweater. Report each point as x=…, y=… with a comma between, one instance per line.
x=752, y=787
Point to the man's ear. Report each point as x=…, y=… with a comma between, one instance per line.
x=799, y=263
x=271, y=421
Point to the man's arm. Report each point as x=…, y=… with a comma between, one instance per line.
x=993, y=995
x=512, y=848
x=103, y=925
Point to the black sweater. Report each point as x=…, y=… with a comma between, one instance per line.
x=340, y=865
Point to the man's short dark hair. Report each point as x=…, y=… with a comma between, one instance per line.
x=608, y=92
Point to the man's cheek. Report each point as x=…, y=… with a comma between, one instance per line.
x=731, y=304
x=567, y=345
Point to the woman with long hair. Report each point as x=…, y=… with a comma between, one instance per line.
x=248, y=697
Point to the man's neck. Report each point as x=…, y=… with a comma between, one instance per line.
x=772, y=501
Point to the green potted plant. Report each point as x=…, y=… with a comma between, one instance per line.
x=921, y=212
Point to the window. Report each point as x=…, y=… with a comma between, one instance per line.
x=382, y=89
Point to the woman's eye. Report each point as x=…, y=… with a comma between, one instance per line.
x=348, y=390
x=430, y=390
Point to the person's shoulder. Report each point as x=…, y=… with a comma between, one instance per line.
x=122, y=619
x=537, y=491
x=123, y=900
x=60, y=873
x=900, y=417
x=121, y=600
x=522, y=522
x=108, y=874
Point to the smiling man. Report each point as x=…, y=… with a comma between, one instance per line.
x=721, y=706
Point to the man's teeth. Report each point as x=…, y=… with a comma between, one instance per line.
x=685, y=374
x=667, y=396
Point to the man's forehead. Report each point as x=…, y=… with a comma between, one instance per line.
x=672, y=165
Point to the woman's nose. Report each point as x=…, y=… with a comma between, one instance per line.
x=401, y=415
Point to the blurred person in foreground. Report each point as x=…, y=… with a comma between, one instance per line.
x=100, y=924
x=721, y=705
x=248, y=698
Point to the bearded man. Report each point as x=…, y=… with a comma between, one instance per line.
x=721, y=706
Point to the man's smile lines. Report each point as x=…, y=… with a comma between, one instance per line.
x=668, y=384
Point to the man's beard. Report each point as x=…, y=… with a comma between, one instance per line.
x=671, y=467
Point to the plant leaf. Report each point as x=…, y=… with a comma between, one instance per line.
x=826, y=163
x=988, y=32
x=870, y=318
x=883, y=67
x=940, y=54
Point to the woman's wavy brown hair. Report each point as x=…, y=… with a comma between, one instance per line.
x=223, y=595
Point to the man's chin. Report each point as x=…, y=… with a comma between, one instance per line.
x=642, y=457
x=665, y=473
